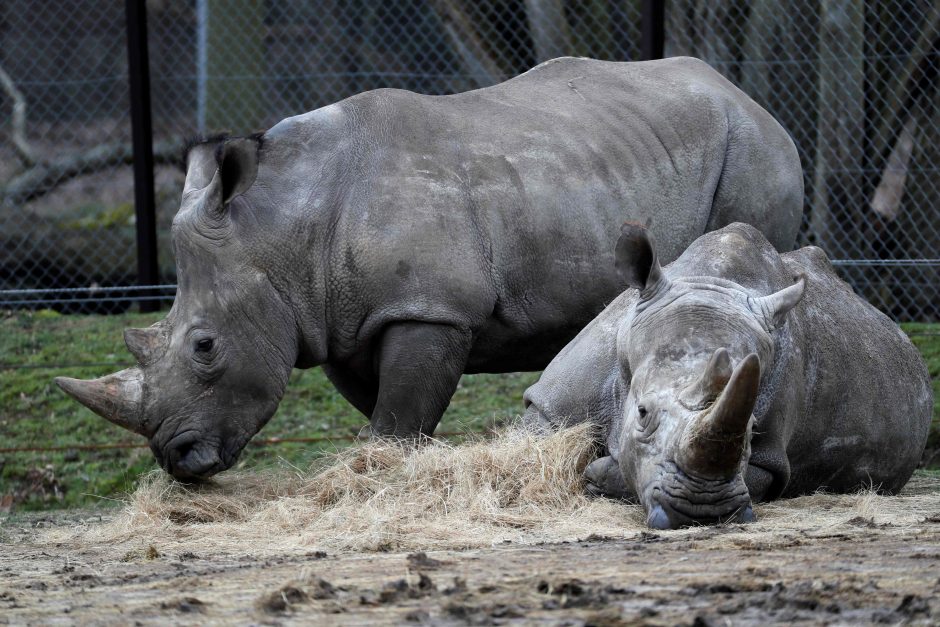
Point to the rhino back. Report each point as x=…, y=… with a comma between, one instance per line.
x=867, y=398
x=498, y=209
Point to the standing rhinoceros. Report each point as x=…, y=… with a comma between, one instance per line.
x=719, y=380
x=401, y=240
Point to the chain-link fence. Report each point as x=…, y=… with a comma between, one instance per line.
x=854, y=82
x=855, y=85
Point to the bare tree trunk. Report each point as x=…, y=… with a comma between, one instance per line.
x=890, y=191
x=679, y=36
x=596, y=40
x=780, y=31
x=893, y=143
x=45, y=176
x=837, y=179
x=235, y=66
x=899, y=97
x=548, y=28
x=916, y=225
x=467, y=44
x=758, y=47
x=713, y=27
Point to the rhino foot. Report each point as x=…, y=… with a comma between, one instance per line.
x=602, y=478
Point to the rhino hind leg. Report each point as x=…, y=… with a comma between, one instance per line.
x=602, y=477
x=420, y=365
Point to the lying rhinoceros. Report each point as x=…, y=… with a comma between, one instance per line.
x=402, y=240
x=719, y=380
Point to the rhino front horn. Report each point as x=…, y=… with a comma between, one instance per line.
x=715, y=440
x=116, y=397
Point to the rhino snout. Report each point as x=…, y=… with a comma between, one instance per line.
x=661, y=516
x=188, y=457
x=681, y=500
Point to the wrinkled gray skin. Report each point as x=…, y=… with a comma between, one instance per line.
x=737, y=373
x=401, y=240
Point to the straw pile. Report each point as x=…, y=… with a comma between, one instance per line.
x=517, y=487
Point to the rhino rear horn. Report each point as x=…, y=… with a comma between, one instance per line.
x=715, y=440
x=637, y=262
x=117, y=397
x=713, y=380
x=773, y=308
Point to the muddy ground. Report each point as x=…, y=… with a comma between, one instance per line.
x=860, y=572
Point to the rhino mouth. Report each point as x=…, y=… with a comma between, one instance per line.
x=189, y=456
x=683, y=500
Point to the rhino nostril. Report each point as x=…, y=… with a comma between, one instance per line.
x=658, y=519
x=747, y=515
x=193, y=460
x=182, y=451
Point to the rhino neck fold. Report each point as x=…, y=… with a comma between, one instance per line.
x=298, y=277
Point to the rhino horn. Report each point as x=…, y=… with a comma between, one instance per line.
x=716, y=438
x=714, y=378
x=774, y=307
x=116, y=397
x=144, y=344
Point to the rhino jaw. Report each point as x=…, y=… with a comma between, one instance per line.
x=116, y=397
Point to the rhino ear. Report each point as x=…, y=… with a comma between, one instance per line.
x=773, y=308
x=637, y=263
x=238, y=165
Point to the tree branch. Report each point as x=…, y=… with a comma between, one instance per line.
x=549, y=29
x=42, y=178
x=894, y=140
x=18, y=121
x=467, y=44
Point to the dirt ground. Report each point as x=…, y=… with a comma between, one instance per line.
x=858, y=571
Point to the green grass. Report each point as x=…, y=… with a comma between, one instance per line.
x=926, y=337
x=34, y=413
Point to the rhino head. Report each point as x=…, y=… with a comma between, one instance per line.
x=212, y=373
x=691, y=355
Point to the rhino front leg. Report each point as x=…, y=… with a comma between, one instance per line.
x=420, y=365
x=360, y=393
x=602, y=477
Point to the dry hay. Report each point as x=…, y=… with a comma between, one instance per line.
x=518, y=487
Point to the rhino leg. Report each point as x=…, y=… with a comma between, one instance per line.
x=420, y=365
x=360, y=393
x=602, y=477
x=759, y=484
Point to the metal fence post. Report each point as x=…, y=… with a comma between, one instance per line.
x=138, y=70
x=653, y=29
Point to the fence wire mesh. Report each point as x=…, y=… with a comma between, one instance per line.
x=854, y=82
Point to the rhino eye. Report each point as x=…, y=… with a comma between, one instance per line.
x=645, y=423
x=204, y=345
